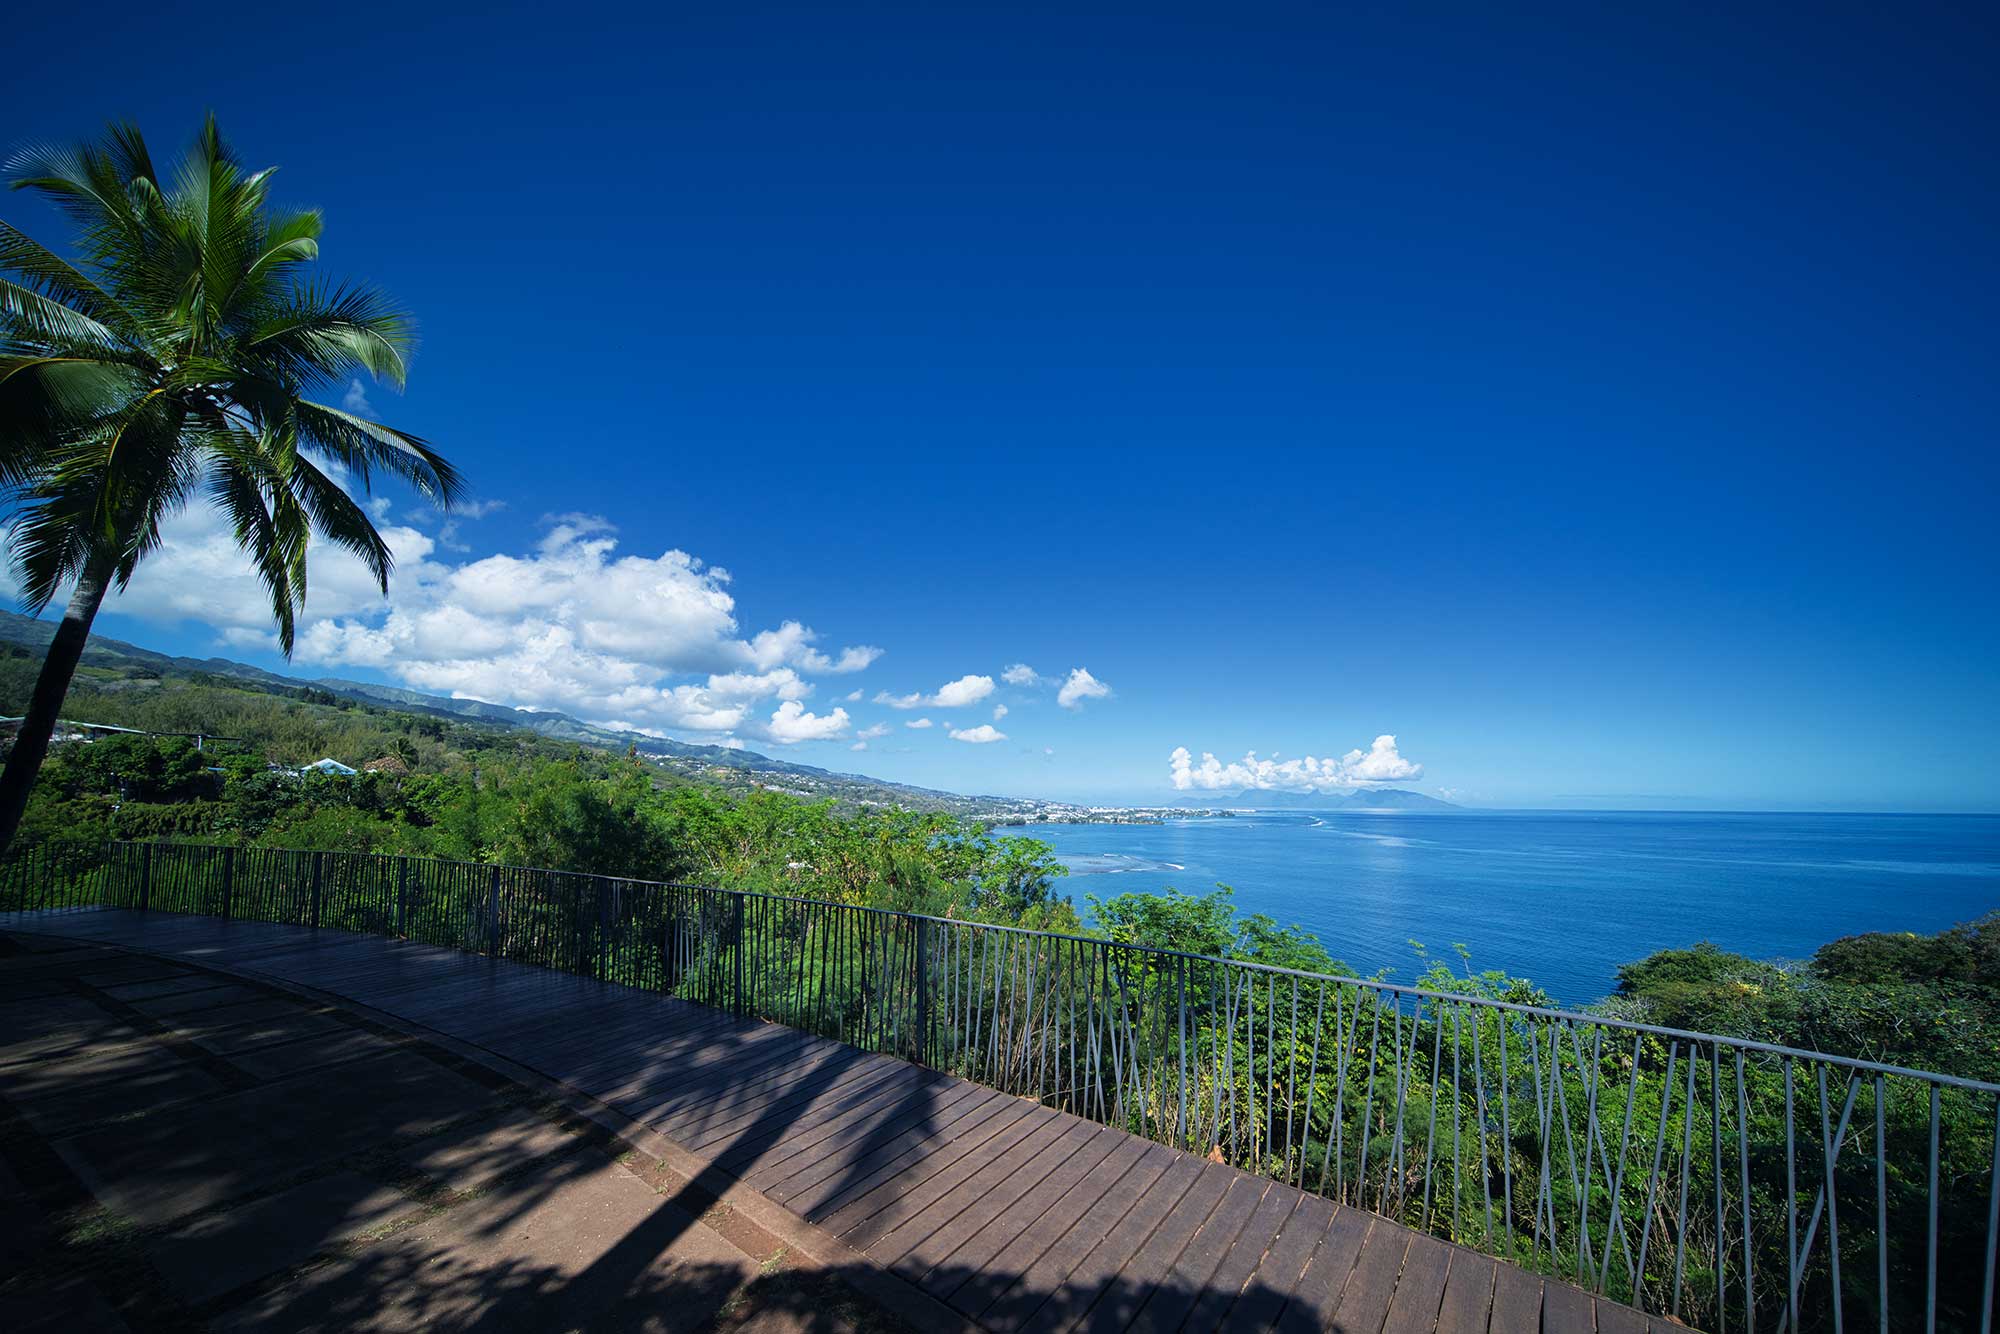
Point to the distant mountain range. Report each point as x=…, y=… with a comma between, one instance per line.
x=1361, y=799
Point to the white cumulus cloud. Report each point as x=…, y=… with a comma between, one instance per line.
x=980, y=735
x=951, y=695
x=573, y=624
x=918, y=723
x=792, y=724
x=1380, y=763
x=999, y=712
x=1020, y=674
x=965, y=690
x=1081, y=686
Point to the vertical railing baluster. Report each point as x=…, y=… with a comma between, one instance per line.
x=1687, y=1180
x=1743, y=1163
x=1931, y=1249
x=1992, y=1228
x=1653, y=1178
x=1715, y=1141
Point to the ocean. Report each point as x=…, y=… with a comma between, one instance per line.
x=1564, y=897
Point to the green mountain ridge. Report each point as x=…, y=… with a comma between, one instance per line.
x=691, y=759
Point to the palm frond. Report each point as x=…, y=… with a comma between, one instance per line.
x=324, y=336
x=287, y=241
x=36, y=316
x=128, y=151
x=340, y=520
x=363, y=446
x=78, y=179
x=59, y=280
x=275, y=546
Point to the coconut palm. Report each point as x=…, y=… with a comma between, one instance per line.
x=173, y=362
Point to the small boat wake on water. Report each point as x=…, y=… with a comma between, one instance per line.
x=1113, y=863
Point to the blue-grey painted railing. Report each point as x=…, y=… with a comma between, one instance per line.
x=1730, y=1184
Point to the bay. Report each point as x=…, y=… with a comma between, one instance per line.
x=1561, y=897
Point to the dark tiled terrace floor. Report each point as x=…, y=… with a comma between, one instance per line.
x=992, y=1211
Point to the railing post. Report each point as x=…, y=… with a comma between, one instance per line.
x=318, y=857
x=741, y=945
x=603, y=930
x=145, y=876
x=923, y=992
x=402, y=896
x=228, y=880
x=493, y=914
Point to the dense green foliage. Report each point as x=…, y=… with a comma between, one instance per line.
x=480, y=794
x=1932, y=1002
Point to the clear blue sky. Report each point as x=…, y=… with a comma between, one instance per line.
x=1601, y=403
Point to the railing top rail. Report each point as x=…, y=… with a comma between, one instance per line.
x=1745, y=1045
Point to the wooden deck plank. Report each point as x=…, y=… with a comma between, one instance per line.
x=975, y=1182
x=650, y=1084
x=600, y=1028
x=1014, y=1298
x=812, y=1095
x=818, y=1200
x=1364, y=1304
x=1320, y=1288
x=956, y=1247
x=1413, y=1309
x=809, y=1183
x=1103, y=1262
x=712, y=1109
x=1188, y=1277
x=975, y=1254
x=1219, y=1292
x=631, y=1072
x=897, y=1201
x=1567, y=1309
x=1274, y=1281
x=1017, y=1259
x=1617, y=1318
x=1468, y=1294
x=1132, y=1285
x=891, y=1109
x=886, y=1190
x=618, y=1057
x=1517, y=1301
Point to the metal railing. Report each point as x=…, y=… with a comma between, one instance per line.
x=1732, y=1185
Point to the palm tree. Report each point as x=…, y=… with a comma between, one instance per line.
x=170, y=364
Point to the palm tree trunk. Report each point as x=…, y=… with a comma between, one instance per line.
x=31, y=746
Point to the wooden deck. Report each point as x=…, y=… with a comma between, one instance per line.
x=1015, y=1216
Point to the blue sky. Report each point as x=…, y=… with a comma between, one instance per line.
x=1601, y=404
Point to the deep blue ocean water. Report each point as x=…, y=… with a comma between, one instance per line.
x=1559, y=897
